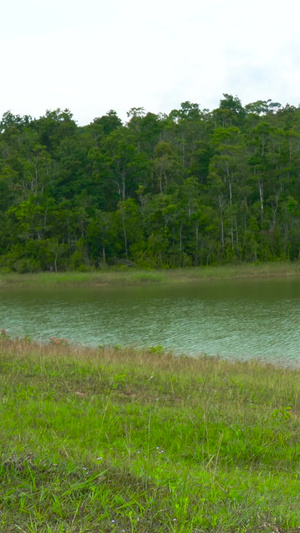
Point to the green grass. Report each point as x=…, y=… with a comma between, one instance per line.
x=114, y=440
x=133, y=276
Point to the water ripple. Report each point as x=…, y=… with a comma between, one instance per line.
x=231, y=319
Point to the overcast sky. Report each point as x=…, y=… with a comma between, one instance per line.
x=95, y=55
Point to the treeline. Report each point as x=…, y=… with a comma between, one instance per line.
x=194, y=187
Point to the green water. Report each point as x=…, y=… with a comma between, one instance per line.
x=235, y=319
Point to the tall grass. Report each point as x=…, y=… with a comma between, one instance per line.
x=134, y=276
x=129, y=440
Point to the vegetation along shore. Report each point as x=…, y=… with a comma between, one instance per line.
x=135, y=276
x=124, y=440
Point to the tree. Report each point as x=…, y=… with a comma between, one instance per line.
x=166, y=165
x=106, y=124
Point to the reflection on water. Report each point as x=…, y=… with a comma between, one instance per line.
x=239, y=319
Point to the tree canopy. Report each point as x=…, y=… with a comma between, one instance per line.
x=194, y=187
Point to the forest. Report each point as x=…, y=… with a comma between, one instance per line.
x=192, y=187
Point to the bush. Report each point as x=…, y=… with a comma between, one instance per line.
x=25, y=265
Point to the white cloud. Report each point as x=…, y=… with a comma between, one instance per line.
x=94, y=56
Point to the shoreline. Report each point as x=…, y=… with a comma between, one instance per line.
x=134, y=277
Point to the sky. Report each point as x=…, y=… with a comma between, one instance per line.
x=91, y=56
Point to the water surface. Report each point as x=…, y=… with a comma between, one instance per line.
x=235, y=319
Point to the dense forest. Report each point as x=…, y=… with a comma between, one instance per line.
x=194, y=187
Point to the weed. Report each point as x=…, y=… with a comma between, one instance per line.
x=156, y=349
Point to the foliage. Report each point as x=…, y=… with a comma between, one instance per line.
x=190, y=188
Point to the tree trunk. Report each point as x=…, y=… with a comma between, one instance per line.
x=230, y=191
x=123, y=186
x=125, y=235
x=261, y=197
x=221, y=205
x=237, y=238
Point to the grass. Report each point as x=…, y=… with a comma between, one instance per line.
x=133, y=276
x=127, y=440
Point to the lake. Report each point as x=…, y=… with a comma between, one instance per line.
x=233, y=319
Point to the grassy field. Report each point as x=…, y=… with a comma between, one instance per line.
x=135, y=276
x=118, y=441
